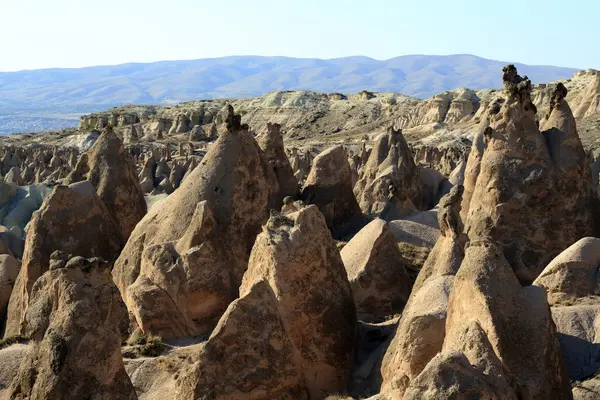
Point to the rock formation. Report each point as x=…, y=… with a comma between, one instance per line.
x=329, y=187
x=184, y=261
x=271, y=142
x=73, y=321
x=72, y=219
x=113, y=175
x=389, y=164
x=518, y=188
x=376, y=270
x=297, y=296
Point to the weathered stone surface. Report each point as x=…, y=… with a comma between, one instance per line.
x=248, y=356
x=390, y=164
x=376, y=270
x=271, y=142
x=73, y=320
x=419, y=336
x=329, y=187
x=9, y=271
x=573, y=273
x=447, y=254
x=488, y=301
x=113, y=175
x=71, y=219
x=298, y=259
x=189, y=264
x=518, y=193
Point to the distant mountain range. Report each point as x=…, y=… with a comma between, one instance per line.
x=95, y=88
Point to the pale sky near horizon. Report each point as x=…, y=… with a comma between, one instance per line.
x=76, y=33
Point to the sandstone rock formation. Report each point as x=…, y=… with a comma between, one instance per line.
x=518, y=188
x=275, y=342
x=571, y=281
x=9, y=271
x=184, y=261
x=376, y=270
x=73, y=319
x=113, y=175
x=271, y=142
x=71, y=219
x=329, y=187
x=390, y=164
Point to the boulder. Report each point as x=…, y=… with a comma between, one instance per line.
x=376, y=270
x=73, y=321
x=71, y=219
x=329, y=187
x=185, y=260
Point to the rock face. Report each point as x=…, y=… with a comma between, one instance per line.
x=71, y=219
x=295, y=308
x=447, y=254
x=573, y=273
x=571, y=281
x=271, y=142
x=184, y=261
x=390, y=165
x=575, y=194
x=9, y=271
x=248, y=355
x=73, y=321
x=376, y=270
x=113, y=175
x=503, y=329
x=329, y=187
x=421, y=331
x=519, y=189
x=296, y=256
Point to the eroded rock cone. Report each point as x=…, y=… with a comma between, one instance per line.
x=184, y=261
x=515, y=197
x=113, y=175
x=420, y=333
x=377, y=272
x=9, y=271
x=508, y=328
x=271, y=142
x=296, y=307
x=73, y=321
x=71, y=219
x=390, y=163
x=576, y=197
x=329, y=187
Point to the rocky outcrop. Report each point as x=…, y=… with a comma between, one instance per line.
x=113, y=175
x=296, y=309
x=421, y=330
x=329, y=187
x=517, y=195
x=571, y=281
x=72, y=219
x=390, y=171
x=9, y=271
x=73, y=321
x=576, y=197
x=377, y=272
x=504, y=329
x=185, y=259
x=271, y=142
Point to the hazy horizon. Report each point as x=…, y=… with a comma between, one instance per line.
x=72, y=34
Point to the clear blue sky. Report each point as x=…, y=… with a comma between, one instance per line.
x=75, y=33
